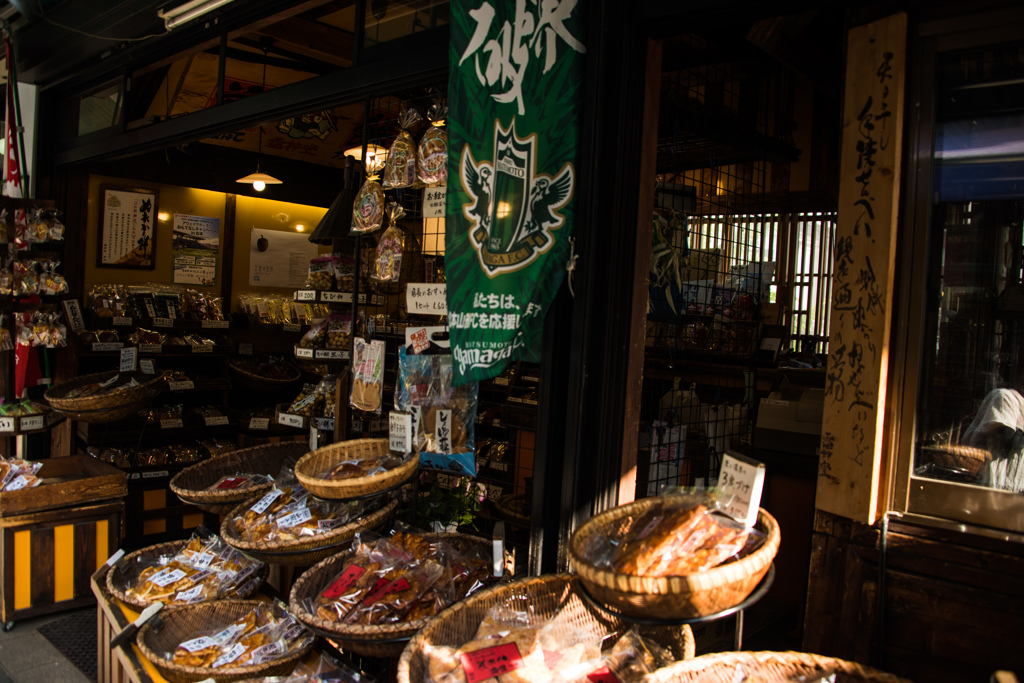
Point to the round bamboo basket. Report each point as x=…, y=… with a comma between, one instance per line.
x=383, y=640
x=315, y=463
x=245, y=379
x=105, y=407
x=191, y=483
x=185, y=623
x=304, y=552
x=543, y=596
x=671, y=597
x=118, y=582
x=721, y=667
x=956, y=457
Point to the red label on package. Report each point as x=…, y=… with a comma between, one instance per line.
x=232, y=482
x=419, y=340
x=491, y=662
x=384, y=588
x=344, y=582
x=603, y=675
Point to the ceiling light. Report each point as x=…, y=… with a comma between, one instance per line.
x=300, y=227
x=260, y=180
x=188, y=11
x=375, y=155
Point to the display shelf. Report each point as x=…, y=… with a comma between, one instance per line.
x=285, y=419
x=310, y=296
x=163, y=350
x=190, y=427
x=20, y=425
x=97, y=322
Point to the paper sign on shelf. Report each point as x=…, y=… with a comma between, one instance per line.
x=6, y=424
x=400, y=431
x=429, y=299
x=245, y=349
x=259, y=423
x=740, y=481
x=128, y=357
x=73, y=313
x=163, y=322
x=31, y=422
x=146, y=365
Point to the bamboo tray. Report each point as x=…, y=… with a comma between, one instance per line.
x=248, y=380
x=105, y=407
x=303, y=553
x=191, y=483
x=544, y=596
x=721, y=667
x=383, y=640
x=182, y=624
x=323, y=459
x=118, y=582
x=671, y=597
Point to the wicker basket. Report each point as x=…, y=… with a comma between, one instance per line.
x=245, y=379
x=385, y=640
x=955, y=457
x=183, y=624
x=118, y=582
x=720, y=667
x=545, y=596
x=105, y=407
x=671, y=597
x=321, y=460
x=303, y=553
x=191, y=483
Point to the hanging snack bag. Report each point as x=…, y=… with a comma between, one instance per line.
x=432, y=159
x=400, y=167
x=339, y=331
x=368, y=208
x=367, y=376
x=26, y=281
x=321, y=274
x=388, y=264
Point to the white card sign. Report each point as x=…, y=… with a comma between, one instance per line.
x=400, y=431
x=128, y=356
x=740, y=482
x=428, y=299
x=73, y=313
x=434, y=199
x=146, y=365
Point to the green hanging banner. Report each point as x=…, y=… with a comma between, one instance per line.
x=516, y=72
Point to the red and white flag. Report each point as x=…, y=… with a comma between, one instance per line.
x=12, y=170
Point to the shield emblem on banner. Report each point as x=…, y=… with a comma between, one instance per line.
x=513, y=170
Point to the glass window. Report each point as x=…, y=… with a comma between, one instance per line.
x=100, y=109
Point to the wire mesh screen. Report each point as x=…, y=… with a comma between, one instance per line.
x=812, y=238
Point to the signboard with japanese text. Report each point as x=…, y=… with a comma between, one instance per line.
x=849, y=465
x=513, y=117
x=127, y=228
x=196, y=244
x=434, y=200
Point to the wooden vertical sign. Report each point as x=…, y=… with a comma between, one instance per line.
x=849, y=466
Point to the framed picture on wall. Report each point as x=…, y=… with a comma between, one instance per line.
x=127, y=234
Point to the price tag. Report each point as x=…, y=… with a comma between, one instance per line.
x=107, y=346
x=230, y=656
x=122, y=321
x=434, y=199
x=325, y=424
x=288, y=521
x=265, y=652
x=128, y=356
x=261, y=506
x=343, y=583
x=202, y=560
x=305, y=295
x=328, y=524
x=259, y=423
x=740, y=481
x=73, y=313
x=159, y=474
x=428, y=299
x=400, y=432
x=184, y=385
x=232, y=483
x=331, y=354
x=171, y=424
x=17, y=484
x=420, y=340
x=193, y=593
x=245, y=349
x=290, y=420
x=202, y=348
x=291, y=327
x=301, y=352
x=215, y=420
x=491, y=662
x=6, y=424
x=146, y=365
x=336, y=297
x=216, y=324
x=149, y=308
x=151, y=348
x=166, y=577
x=31, y=422
x=163, y=322
x=197, y=644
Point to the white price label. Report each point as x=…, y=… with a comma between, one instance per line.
x=261, y=506
x=202, y=348
x=18, y=483
x=305, y=295
x=301, y=352
x=163, y=322
x=167, y=577
x=434, y=199
x=400, y=431
x=428, y=299
x=151, y=348
x=259, y=423
x=215, y=420
x=181, y=386
x=265, y=652
x=289, y=420
x=291, y=327
x=325, y=424
x=230, y=656
x=192, y=594
x=245, y=349
x=159, y=474
x=197, y=644
x=331, y=354
x=288, y=521
x=122, y=321
x=336, y=297
x=146, y=365
x=171, y=424
x=328, y=524
x=6, y=424
x=107, y=346
x=128, y=357
x=740, y=481
x=31, y=422
x=216, y=324
x=202, y=560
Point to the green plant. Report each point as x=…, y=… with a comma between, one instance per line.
x=666, y=260
x=445, y=500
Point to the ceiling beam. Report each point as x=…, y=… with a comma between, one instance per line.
x=311, y=37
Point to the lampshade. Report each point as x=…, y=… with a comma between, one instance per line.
x=258, y=177
x=375, y=155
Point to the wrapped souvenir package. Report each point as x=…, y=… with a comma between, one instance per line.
x=400, y=167
x=432, y=154
x=388, y=261
x=16, y=474
x=368, y=208
x=367, y=376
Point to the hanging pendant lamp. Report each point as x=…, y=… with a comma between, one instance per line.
x=260, y=180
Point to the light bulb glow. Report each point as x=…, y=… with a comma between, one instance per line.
x=300, y=227
x=259, y=185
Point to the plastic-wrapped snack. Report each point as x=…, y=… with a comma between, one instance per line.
x=238, y=481
x=367, y=375
x=432, y=157
x=6, y=283
x=16, y=474
x=26, y=279
x=51, y=282
x=368, y=208
x=308, y=402
x=218, y=447
x=633, y=657
x=323, y=669
x=264, y=634
x=339, y=331
x=400, y=167
x=56, y=228
x=388, y=261
x=326, y=389
x=321, y=274
x=363, y=467
x=367, y=565
x=316, y=337
x=181, y=453
x=344, y=273
x=36, y=229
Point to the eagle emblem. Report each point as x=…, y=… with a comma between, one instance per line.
x=513, y=209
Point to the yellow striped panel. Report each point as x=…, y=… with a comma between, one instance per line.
x=22, y=569
x=154, y=526
x=190, y=521
x=63, y=562
x=154, y=500
x=102, y=536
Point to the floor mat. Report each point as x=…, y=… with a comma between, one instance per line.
x=75, y=637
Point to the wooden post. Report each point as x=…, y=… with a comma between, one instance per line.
x=849, y=467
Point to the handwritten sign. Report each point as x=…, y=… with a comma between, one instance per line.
x=163, y=322
x=6, y=424
x=865, y=248
x=260, y=423
x=434, y=199
x=427, y=299
x=740, y=481
x=73, y=313
x=400, y=431
x=31, y=422
x=146, y=365
x=443, y=431
x=128, y=356
x=289, y=420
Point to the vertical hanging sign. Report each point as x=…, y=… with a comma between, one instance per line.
x=513, y=119
x=849, y=467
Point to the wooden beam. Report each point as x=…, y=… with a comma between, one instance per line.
x=311, y=38
x=849, y=469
